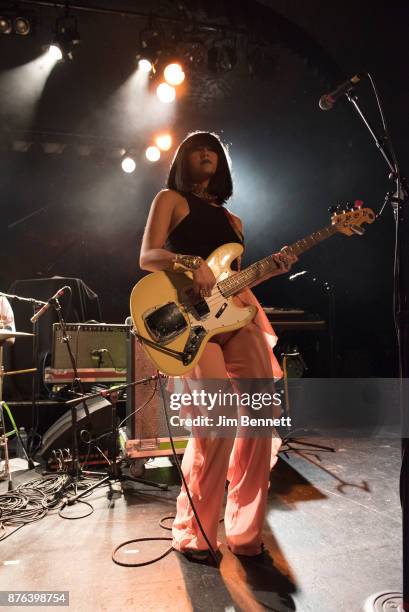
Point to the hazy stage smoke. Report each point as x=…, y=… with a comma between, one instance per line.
x=21, y=89
x=133, y=111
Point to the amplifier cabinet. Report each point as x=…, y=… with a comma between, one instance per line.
x=149, y=436
x=94, y=346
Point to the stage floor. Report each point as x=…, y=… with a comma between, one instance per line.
x=331, y=546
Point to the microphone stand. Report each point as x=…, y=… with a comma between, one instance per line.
x=76, y=382
x=114, y=471
x=399, y=202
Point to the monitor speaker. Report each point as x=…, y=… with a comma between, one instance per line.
x=59, y=435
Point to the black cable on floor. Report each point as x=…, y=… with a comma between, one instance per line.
x=169, y=550
x=166, y=518
x=31, y=501
x=176, y=459
x=211, y=551
x=74, y=518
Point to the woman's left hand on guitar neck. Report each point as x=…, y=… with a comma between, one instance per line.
x=284, y=259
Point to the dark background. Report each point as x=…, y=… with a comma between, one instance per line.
x=290, y=160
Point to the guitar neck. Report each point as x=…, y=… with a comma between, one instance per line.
x=260, y=270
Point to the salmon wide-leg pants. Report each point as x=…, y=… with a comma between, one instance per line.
x=244, y=461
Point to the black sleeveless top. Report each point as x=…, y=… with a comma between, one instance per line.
x=205, y=228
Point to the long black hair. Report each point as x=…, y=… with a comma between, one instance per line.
x=220, y=185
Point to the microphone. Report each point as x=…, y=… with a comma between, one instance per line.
x=328, y=100
x=47, y=305
x=98, y=352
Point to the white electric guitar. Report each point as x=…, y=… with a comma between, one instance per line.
x=174, y=325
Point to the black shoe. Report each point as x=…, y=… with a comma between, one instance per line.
x=198, y=556
x=261, y=555
x=201, y=556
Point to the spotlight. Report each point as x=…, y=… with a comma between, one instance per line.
x=152, y=154
x=163, y=142
x=174, y=74
x=5, y=25
x=55, y=52
x=22, y=26
x=128, y=164
x=145, y=65
x=13, y=22
x=66, y=37
x=150, y=48
x=166, y=93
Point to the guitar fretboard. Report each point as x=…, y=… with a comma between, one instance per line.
x=259, y=270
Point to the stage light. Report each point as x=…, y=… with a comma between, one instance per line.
x=66, y=37
x=145, y=65
x=5, y=25
x=22, y=26
x=55, y=52
x=13, y=21
x=163, y=142
x=174, y=74
x=150, y=46
x=166, y=93
x=152, y=154
x=128, y=164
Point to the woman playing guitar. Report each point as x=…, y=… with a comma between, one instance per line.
x=186, y=223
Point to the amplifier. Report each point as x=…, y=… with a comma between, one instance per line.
x=149, y=436
x=289, y=319
x=99, y=349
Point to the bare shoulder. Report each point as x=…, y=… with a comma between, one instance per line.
x=167, y=197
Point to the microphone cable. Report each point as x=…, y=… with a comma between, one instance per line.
x=170, y=549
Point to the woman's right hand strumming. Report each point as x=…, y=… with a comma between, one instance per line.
x=203, y=280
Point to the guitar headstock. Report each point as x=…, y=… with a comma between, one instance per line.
x=349, y=218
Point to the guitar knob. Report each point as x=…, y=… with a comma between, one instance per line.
x=358, y=204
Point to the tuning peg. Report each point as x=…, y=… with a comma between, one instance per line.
x=349, y=206
x=332, y=210
x=358, y=204
x=340, y=208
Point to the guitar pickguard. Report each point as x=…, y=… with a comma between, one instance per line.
x=166, y=322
